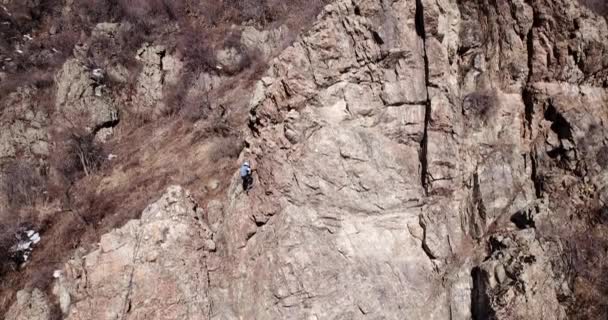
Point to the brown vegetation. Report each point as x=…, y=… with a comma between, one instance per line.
x=480, y=105
x=586, y=253
x=590, y=284
x=584, y=242
x=6, y=242
x=83, y=155
x=598, y=6
x=23, y=184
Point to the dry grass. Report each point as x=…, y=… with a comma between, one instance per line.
x=598, y=6
x=587, y=256
x=149, y=159
x=23, y=184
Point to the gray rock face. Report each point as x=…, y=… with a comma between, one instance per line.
x=24, y=138
x=158, y=69
x=81, y=102
x=393, y=142
x=151, y=268
x=339, y=197
x=265, y=42
x=24, y=126
x=150, y=82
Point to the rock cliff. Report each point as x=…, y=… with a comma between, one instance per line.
x=413, y=156
x=428, y=159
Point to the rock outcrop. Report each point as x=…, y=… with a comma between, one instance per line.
x=158, y=69
x=154, y=267
x=24, y=142
x=264, y=42
x=30, y=305
x=81, y=101
x=24, y=126
x=517, y=280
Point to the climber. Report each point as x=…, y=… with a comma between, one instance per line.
x=246, y=176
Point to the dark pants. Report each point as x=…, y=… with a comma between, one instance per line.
x=247, y=182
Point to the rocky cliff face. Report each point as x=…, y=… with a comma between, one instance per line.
x=415, y=159
x=413, y=156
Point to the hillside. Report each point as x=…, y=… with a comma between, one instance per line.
x=413, y=159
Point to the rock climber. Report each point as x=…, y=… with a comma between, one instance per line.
x=246, y=176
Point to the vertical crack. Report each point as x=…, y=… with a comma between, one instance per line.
x=530, y=44
x=127, y=301
x=208, y=289
x=480, y=301
x=425, y=246
x=420, y=30
x=528, y=99
x=161, y=56
x=478, y=227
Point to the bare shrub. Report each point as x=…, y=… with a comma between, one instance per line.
x=7, y=240
x=180, y=102
x=29, y=62
x=269, y=12
x=198, y=52
x=194, y=108
x=225, y=148
x=23, y=184
x=587, y=253
x=151, y=9
x=95, y=11
x=40, y=79
x=82, y=155
x=480, y=104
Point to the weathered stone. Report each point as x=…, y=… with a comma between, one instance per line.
x=76, y=102
x=24, y=126
x=30, y=305
x=499, y=273
x=149, y=267
x=229, y=59
x=264, y=42
x=157, y=68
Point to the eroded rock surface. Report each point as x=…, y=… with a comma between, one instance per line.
x=25, y=126
x=24, y=143
x=158, y=69
x=81, y=102
x=264, y=42
x=153, y=267
x=394, y=141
